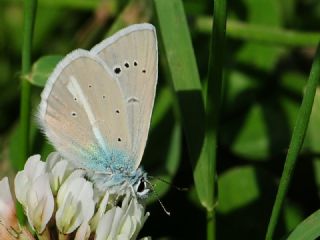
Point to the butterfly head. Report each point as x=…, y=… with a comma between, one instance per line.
x=142, y=187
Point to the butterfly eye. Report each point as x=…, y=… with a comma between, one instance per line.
x=141, y=188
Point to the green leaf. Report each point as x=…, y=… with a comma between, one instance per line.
x=309, y=229
x=42, y=69
x=263, y=131
x=245, y=195
x=250, y=139
x=265, y=57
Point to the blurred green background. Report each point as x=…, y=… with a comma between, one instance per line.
x=269, y=50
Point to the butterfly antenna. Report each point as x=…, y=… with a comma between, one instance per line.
x=158, y=197
x=170, y=184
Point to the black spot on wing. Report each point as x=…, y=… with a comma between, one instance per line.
x=117, y=70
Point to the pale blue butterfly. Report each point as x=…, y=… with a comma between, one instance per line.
x=96, y=107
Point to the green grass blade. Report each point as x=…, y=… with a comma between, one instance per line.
x=208, y=163
x=184, y=74
x=30, y=7
x=296, y=142
x=260, y=33
x=308, y=229
x=29, y=20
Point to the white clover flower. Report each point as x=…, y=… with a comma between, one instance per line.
x=101, y=210
x=56, y=188
x=7, y=206
x=83, y=232
x=75, y=203
x=123, y=222
x=33, y=168
x=59, y=169
x=9, y=226
x=40, y=203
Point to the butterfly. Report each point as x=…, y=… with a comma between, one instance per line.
x=96, y=108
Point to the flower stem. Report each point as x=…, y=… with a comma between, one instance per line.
x=29, y=20
x=211, y=225
x=296, y=142
x=213, y=102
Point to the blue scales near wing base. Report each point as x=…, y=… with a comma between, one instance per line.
x=111, y=170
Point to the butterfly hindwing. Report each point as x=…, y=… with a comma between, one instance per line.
x=132, y=55
x=83, y=112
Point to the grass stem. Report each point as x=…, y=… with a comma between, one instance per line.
x=29, y=20
x=296, y=142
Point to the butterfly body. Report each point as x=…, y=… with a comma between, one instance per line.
x=96, y=108
x=120, y=182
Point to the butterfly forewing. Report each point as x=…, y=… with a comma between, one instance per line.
x=83, y=112
x=132, y=55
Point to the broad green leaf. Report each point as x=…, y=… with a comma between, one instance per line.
x=292, y=215
x=258, y=126
x=245, y=195
x=245, y=198
x=261, y=56
x=309, y=229
x=42, y=69
x=248, y=134
x=238, y=187
x=293, y=82
x=263, y=131
x=239, y=91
